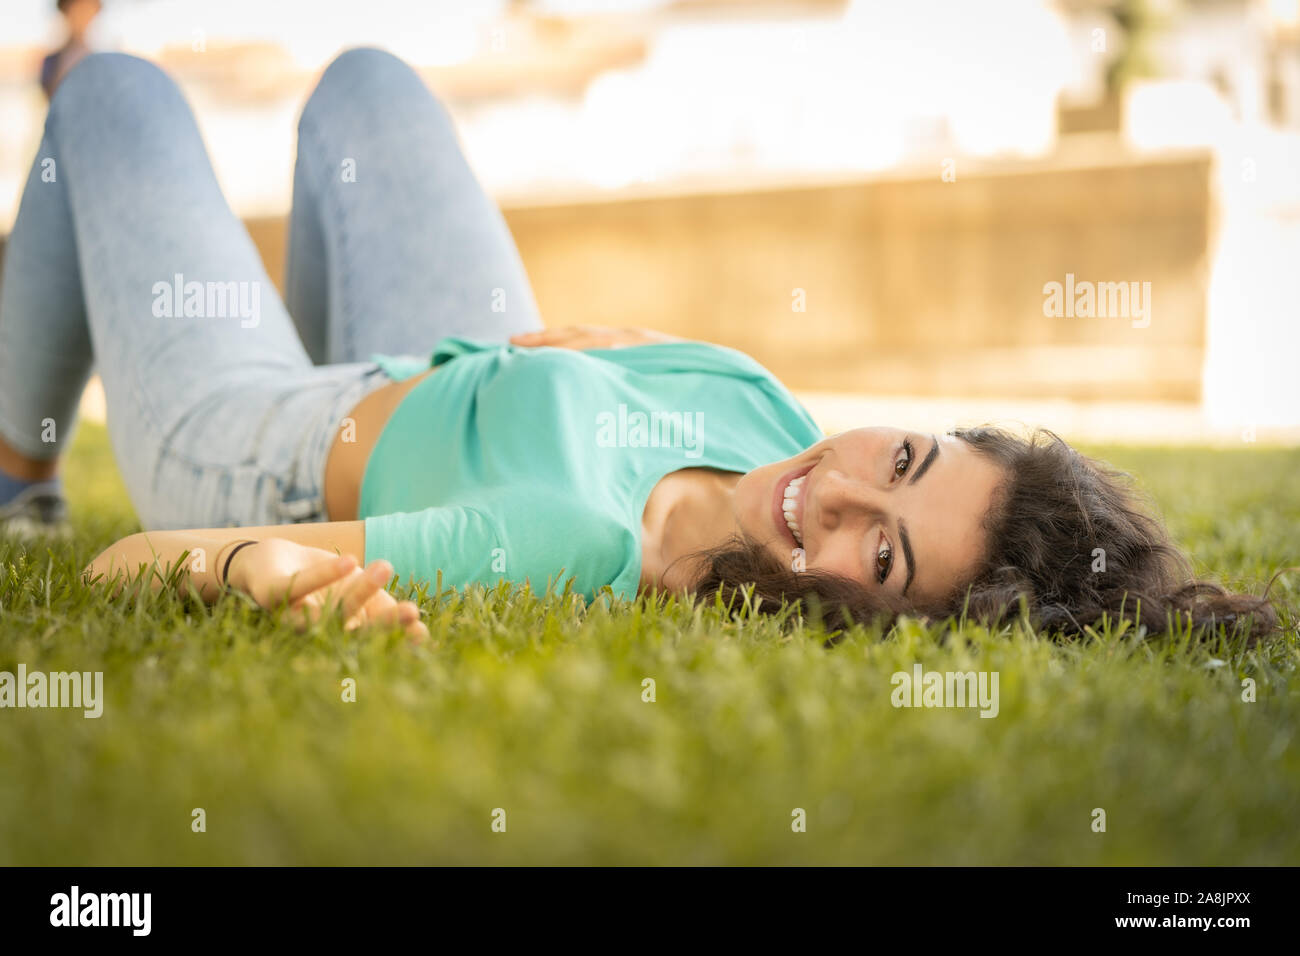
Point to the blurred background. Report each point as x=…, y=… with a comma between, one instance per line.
x=869, y=197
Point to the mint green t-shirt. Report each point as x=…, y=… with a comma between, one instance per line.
x=535, y=464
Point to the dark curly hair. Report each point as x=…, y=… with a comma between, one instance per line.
x=1055, y=514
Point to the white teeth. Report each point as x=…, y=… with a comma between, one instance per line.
x=790, y=505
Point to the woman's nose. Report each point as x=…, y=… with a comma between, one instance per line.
x=839, y=497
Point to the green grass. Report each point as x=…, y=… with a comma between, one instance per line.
x=535, y=706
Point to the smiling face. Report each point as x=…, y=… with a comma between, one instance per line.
x=902, y=512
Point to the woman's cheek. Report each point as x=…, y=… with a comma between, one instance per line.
x=837, y=556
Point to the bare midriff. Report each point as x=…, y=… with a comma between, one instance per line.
x=346, y=465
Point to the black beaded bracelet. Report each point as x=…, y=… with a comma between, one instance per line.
x=225, y=570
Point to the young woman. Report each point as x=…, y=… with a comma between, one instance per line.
x=419, y=421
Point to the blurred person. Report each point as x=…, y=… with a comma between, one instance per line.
x=79, y=14
x=403, y=410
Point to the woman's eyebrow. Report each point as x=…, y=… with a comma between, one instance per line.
x=907, y=548
x=929, y=458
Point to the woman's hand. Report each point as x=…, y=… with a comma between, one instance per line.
x=313, y=582
x=582, y=337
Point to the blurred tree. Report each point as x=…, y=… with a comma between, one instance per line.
x=1139, y=22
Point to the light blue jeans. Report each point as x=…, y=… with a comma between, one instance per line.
x=125, y=255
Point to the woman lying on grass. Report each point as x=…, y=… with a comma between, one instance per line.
x=614, y=458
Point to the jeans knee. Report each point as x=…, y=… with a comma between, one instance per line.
x=362, y=63
x=110, y=82
x=366, y=78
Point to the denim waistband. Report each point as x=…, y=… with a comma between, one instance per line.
x=256, y=454
x=305, y=500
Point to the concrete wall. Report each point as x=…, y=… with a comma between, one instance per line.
x=911, y=286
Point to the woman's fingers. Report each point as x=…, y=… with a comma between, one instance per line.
x=317, y=576
x=409, y=615
x=360, y=591
x=378, y=605
x=561, y=336
x=585, y=337
x=540, y=337
x=403, y=613
x=361, y=600
x=309, y=608
x=305, y=612
x=406, y=614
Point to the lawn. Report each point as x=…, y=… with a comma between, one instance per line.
x=534, y=706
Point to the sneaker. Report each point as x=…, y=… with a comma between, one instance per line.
x=39, y=510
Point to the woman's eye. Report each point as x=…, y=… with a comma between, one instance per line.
x=904, y=461
x=884, y=561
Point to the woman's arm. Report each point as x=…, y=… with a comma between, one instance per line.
x=160, y=551
x=313, y=567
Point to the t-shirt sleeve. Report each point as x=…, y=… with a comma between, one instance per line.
x=522, y=541
x=463, y=543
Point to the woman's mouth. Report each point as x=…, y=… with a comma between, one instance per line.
x=789, y=504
